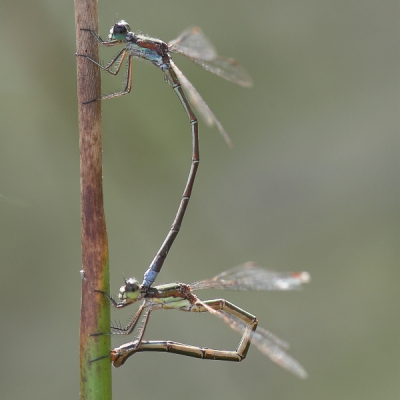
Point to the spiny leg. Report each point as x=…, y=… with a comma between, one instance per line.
x=130, y=327
x=158, y=261
x=143, y=309
x=132, y=324
x=118, y=361
x=119, y=59
x=128, y=82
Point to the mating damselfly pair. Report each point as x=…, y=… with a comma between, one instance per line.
x=193, y=44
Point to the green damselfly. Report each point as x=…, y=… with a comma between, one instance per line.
x=193, y=44
x=180, y=296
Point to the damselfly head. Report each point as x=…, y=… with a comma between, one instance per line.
x=130, y=291
x=119, y=31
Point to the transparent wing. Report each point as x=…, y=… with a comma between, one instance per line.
x=269, y=344
x=226, y=68
x=194, y=44
x=250, y=276
x=199, y=104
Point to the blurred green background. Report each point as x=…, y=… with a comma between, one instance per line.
x=311, y=184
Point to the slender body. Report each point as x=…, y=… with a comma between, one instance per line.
x=193, y=44
x=180, y=296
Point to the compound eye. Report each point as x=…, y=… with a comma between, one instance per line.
x=119, y=31
x=130, y=291
x=132, y=285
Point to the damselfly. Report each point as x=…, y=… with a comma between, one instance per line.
x=193, y=44
x=180, y=296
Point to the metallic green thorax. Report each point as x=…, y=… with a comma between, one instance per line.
x=171, y=295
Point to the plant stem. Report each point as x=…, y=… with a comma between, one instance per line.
x=95, y=381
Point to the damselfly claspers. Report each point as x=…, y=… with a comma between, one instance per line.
x=180, y=296
x=193, y=44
